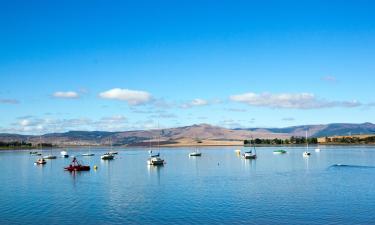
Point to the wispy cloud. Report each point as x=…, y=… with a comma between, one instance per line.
x=194, y=103
x=330, y=79
x=8, y=101
x=290, y=101
x=66, y=94
x=132, y=97
x=288, y=119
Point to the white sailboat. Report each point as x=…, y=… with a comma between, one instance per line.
x=111, y=150
x=89, y=153
x=306, y=153
x=155, y=160
x=250, y=154
x=50, y=156
x=195, y=153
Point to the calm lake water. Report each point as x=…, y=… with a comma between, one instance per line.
x=217, y=188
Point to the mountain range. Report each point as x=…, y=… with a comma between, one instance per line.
x=189, y=135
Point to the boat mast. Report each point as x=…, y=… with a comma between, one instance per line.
x=307, y=143
x=252, y=140
x=158, y=138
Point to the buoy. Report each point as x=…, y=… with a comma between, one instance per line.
x=95, y=167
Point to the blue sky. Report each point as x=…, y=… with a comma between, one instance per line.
x=124, y=65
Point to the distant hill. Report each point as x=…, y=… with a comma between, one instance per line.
x=323, y=130
x=189, y=135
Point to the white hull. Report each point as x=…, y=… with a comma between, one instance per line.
x=155, y=161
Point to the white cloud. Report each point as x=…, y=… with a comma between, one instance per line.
x=195, y=102
x=290, y=101
x=66, y=94
x=132, y=97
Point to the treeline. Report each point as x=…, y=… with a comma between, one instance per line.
x=351, y=140
x=14, y=144
x=276, y=141
x=23, y=144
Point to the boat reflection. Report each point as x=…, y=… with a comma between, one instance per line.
x=155, y=170
x=248, y=164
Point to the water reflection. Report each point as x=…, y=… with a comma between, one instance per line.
x=248, y=164
x=155, y=170
x=306, y=161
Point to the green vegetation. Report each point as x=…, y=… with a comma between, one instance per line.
x=350, y=140
x=17, y=144
x=291, y=141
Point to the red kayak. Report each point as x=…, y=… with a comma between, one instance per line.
x=76, y=166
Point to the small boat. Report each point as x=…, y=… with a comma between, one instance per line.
x=195, y=153
x=89, y=153
x=40, y=161
x=50, y=157
x=64, y=154
x=317, y=150
x=155, y=161
x=113, y=153
x=249, y=155
x=76, y=166
x=107, y=156
x=35, y=153
x=280, y=151
x=306, y=153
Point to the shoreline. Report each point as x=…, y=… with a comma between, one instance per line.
x=179, y=146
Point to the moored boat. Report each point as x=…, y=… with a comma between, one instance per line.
x=250, y=154
x=49, y=157
x=280, y=151
x=306, y=153
x=64, y=154
x=195, y=154
x=40, y=161
x=76, y=166
x=107, y=156
x=155, y=161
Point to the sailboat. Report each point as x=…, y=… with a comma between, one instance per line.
x=89, y=153
x=306, y=153
x=50, y=156
x=111, y=151
x=108, y=155
x=155, y=160
x=195, y=153
x=250, y=154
